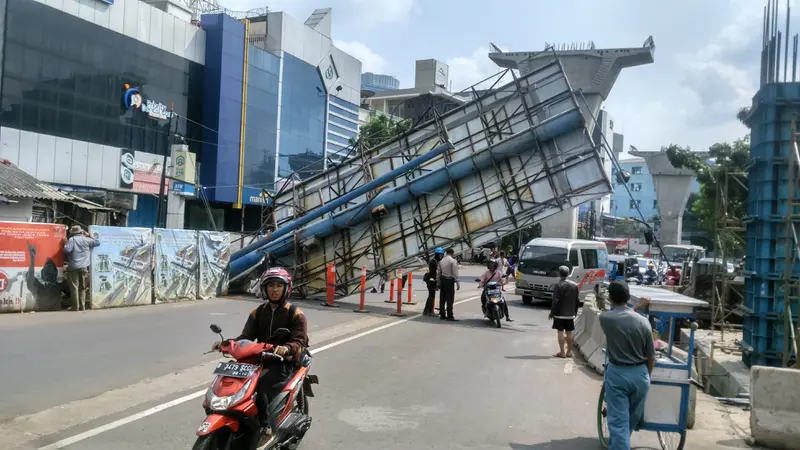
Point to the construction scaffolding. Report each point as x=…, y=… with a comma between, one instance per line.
x=728, y=235
x=516, y=154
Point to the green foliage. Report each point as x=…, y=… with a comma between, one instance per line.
x=512, y=241
x=380, y=129
x=729, y=158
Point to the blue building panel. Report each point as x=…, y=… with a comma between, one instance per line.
x=261, y=130
x=222, y=108
x=303, y=114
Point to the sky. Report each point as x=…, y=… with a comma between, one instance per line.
x=707, y=54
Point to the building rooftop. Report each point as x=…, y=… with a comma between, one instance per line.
x=16, y=183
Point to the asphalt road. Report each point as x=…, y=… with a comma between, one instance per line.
x=384, y=382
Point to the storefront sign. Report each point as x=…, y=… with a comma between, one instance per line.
x=328, y=72
x=184, y=166
x=134, y=99
x=126, y=169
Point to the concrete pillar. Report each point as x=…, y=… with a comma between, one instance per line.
x=176, y=207
x=673, y=187
x=672, y=193
x=563, y=224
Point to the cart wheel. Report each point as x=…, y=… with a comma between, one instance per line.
x=602, y=419
x=671, y=440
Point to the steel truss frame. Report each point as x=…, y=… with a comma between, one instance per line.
x=513, y=193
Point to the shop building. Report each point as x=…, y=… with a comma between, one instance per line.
x=94, y=95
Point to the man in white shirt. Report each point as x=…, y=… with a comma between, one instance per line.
x=448, y=283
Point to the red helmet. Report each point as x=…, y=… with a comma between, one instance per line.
x=276, y=274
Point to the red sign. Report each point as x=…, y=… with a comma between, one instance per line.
x=31, y=266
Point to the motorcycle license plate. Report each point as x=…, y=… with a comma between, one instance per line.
x=493, y=292
x=235, y=370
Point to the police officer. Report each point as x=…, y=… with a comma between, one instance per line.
x=430, y=280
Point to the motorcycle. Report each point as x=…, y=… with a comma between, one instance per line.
x=493, y=307
x=649, y=280
x=633, y=280
x=230, y=402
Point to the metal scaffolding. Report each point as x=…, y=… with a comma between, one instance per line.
x=791, y=284
x=517, y=153
x=728, y=231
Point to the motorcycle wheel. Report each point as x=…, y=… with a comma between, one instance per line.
x=497, y=316
x=301, y=402
x=213, y=441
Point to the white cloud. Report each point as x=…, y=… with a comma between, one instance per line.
x=468, y=70
x=370, y=61
x=373, y=12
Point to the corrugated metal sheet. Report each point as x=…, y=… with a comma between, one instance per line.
x=16, y=183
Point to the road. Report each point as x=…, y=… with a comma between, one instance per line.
x=385, y=382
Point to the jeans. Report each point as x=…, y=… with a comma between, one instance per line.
x=626, y=392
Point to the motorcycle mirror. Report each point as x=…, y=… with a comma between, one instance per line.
x=216, y=329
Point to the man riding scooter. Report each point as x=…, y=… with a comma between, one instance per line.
x=493, y=273
x=650, y=275
x=275, y=285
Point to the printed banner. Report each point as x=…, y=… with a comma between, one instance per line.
x=215, y=253
x=31, y=266
x=177, y=265
x=121, y=267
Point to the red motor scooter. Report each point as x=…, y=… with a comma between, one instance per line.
x=230, y=403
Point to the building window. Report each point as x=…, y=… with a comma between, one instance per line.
x=573, y=257
x=655, y=204
x=65, y=77
x=611, y=125
x=589, y=258
x=635, y=204
x=636, y=187
x=636, y=170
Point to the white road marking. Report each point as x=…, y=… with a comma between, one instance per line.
x=156, y=409
x=569, y=366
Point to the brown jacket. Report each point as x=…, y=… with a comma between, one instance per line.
x=263, y=321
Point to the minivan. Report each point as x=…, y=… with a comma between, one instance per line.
x=540, y=259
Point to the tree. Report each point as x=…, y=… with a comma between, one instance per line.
x=379, y=129
x=726, y=157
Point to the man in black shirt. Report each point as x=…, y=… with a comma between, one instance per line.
x=563, y=311
x=430, y=280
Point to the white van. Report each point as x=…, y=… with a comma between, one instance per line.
x=540, y=259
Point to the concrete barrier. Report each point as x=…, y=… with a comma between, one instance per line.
x=775, y=407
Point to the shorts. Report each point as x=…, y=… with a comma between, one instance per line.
x=564, y=324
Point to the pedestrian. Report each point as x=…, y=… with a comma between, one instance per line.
x=430, y=279
x=563, y=310
x=631, y=357
x=448, y=283
x=79, y=248
x=502, y=266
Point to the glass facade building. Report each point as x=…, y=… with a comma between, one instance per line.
x=261, y=122
x=378, y=82
x=65, y=77
x=342, y=127
x=302, y=126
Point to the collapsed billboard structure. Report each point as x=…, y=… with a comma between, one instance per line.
x=511, y=157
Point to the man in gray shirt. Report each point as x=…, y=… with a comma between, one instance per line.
x=631, y=357
x=79, y=248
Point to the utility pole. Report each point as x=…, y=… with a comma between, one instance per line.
x=161, y=221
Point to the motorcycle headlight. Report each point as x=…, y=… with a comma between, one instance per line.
x=494, y=299
x=223, y=403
